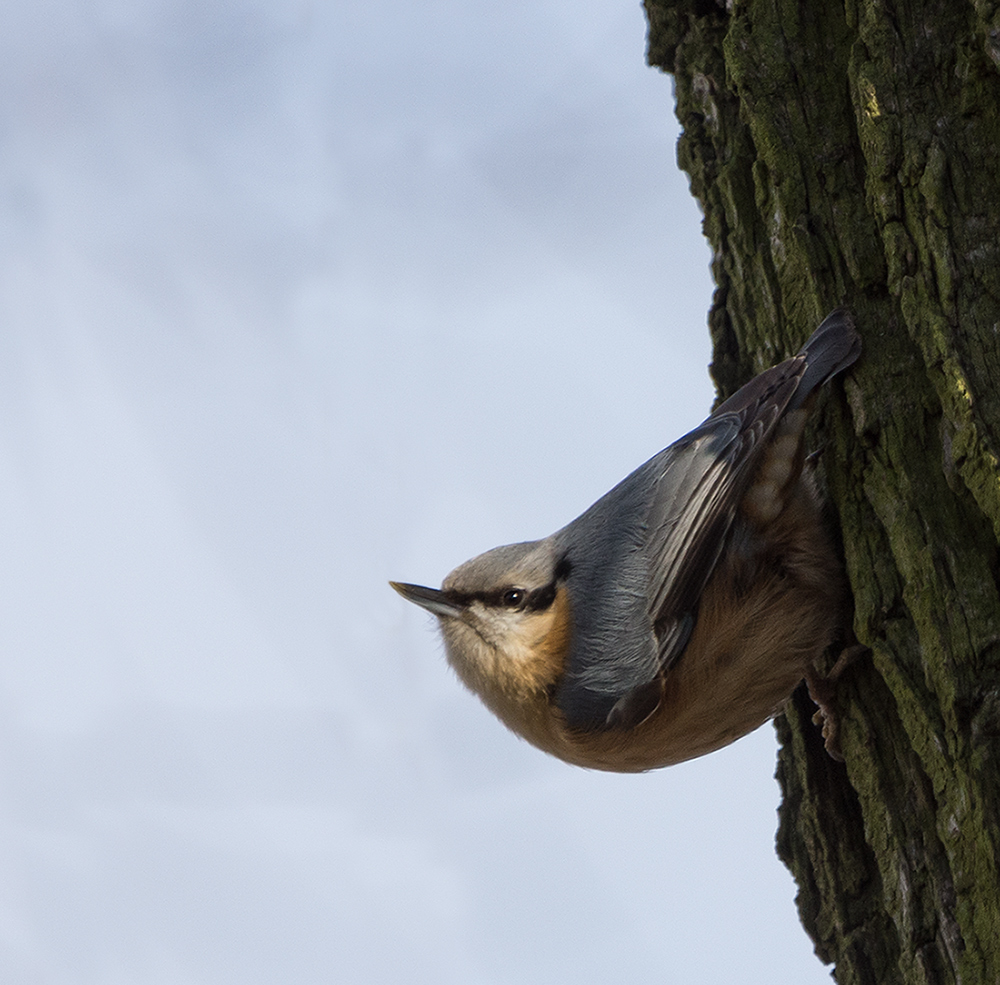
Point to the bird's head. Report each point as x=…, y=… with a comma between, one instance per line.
x=505, y=620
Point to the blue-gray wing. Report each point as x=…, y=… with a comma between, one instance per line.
x=653, y=541
x=650, y=546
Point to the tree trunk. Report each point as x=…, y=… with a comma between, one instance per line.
x=850, y=153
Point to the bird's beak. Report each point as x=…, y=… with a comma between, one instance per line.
x=431, y=599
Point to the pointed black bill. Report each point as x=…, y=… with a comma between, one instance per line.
x=431, y=599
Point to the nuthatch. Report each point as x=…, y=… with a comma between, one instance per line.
x=681, y=610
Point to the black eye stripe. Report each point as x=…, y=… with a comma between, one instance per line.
x=514, y=597
x=541, y=598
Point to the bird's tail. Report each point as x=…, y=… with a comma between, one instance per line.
x=831, y=348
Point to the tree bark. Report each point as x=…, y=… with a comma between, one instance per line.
x=850, y=153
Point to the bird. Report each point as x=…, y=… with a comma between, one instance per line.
x=682, y=609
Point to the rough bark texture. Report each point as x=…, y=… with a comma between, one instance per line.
x=850, y=153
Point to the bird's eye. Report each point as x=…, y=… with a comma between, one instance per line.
x=512, y=598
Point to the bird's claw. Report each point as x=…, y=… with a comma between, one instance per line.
x=823, y=692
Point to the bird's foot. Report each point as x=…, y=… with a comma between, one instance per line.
x=823, y=691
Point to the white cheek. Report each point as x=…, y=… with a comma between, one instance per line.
x=487, y=637
x=468, y=647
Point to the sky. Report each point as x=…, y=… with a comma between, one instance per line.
x=296, y=298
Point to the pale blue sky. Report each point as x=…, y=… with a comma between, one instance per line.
x=296, y=298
